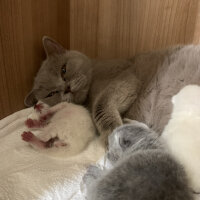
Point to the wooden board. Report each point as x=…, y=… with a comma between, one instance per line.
x=22, y=25
x=98, y=28
x=121, y=28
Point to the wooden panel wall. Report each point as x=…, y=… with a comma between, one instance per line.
x=98, y=28
x=121, y=28
x=22, y=25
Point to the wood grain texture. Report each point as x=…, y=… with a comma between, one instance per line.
x=98, y=28
x=84, y=26
x=22, y=25
x=119, y=28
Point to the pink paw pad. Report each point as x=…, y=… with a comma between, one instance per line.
x=27, y=136
x=46, y=116
x=38, y=107
x=31, y=123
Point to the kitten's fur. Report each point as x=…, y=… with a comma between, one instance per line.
x=64, y=124
x=182, y=133
x=142, y=169
x=139, y=88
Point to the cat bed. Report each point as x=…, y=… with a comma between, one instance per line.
x=26, y=173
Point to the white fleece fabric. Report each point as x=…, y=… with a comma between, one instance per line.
x=26, y=173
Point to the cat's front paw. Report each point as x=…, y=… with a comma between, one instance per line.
x=89, y=179
x=134, y=122
x=93, y=173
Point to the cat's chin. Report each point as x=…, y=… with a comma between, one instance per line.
x=69, y=97
x=80, y=96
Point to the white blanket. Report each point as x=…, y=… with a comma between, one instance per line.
x=28, y=174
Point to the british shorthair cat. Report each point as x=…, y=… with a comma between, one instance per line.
x=138, y=88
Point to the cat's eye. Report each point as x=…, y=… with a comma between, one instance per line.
x=124, y=142
x=52, y=93
x=63, y=72
x=63, y=69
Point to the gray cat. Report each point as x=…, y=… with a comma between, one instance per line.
x=139, y=88
x=142, y=169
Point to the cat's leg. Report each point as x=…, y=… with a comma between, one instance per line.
x=93, y=173
x=45, y=114
x=47, y=133
x=50, y=134
x=39, y=123
x=134, y=122
x=89, y=182
x=127, y=121
x=114, y=101
x=33, y=140
x=90, y=177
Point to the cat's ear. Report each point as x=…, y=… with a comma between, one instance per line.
x=52, y=47
x=30, y=99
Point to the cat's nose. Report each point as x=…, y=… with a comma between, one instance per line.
x=67, y=90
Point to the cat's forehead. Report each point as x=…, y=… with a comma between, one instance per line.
x=47, y=80
x=54, y=63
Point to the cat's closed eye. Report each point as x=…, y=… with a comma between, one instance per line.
x=52, y=93
x=124, y=143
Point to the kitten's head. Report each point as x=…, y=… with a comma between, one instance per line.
x=187, y=101
x=64, y=76
x=128, y=138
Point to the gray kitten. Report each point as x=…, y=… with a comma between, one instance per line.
x=142, y=169
x=139, y=88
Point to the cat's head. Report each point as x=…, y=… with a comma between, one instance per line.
x=128, y=137
x=64, y=76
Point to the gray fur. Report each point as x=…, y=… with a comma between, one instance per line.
x=139, y=88
x=142, y=169
x=49, y=79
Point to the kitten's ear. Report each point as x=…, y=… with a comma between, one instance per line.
x=52, y=47
x=30, y=99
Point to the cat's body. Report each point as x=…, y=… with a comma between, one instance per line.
x=62, y=130
x=157, y=84
x=175, y=69
x=139, y=88
x=182, y=133
x=142, y=169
